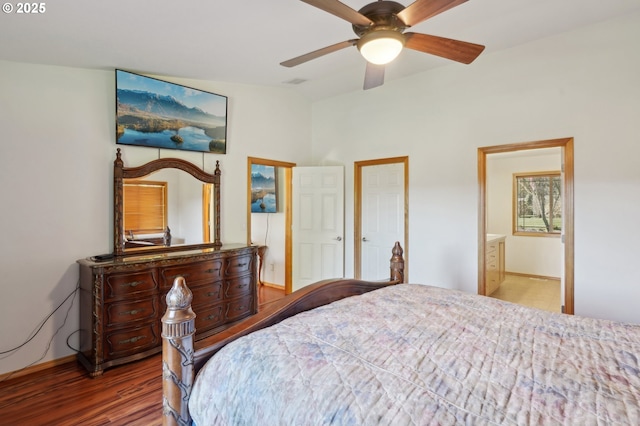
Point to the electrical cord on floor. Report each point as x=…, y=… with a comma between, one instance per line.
x=37, y=330
x=69, y=337
x=266, y=232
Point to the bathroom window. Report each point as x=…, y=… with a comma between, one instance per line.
x=537, y=204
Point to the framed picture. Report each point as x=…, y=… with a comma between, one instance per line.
x=263, y=189
x=159, y=114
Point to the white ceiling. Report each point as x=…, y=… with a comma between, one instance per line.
x=244, y=41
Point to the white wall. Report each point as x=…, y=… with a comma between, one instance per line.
x=56, y=162
x=268, y=229
x=523, y=254
x=582, y=84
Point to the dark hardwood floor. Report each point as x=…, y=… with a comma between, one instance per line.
x=268, y=294
x=65, y=395
x=129, y=395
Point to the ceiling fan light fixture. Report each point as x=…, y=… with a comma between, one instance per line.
x=381, y=47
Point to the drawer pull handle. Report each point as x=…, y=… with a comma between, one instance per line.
x=132, y=284
x=132, y=340
x=132, y=312
x=212, y=316
x=240, y=265
x=212, y=293
x=212, y=270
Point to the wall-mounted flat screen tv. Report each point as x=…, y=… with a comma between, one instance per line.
x=159, y=114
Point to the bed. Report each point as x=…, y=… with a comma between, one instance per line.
x=360, y=353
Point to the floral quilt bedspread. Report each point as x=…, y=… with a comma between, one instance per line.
x=415, y=354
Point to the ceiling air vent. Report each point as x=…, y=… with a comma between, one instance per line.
x=296, y=81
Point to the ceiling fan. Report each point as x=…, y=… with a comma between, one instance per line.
x=380, y=27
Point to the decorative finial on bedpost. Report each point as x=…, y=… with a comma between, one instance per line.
x=178, y=328
x=397, y=263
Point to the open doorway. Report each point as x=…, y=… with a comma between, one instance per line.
x=486, y=252
x=272, y=229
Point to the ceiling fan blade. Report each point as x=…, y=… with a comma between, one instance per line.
x=373, y=76
x=340, y=10
x=317, y=53
x=420, y=10
x=459, y=51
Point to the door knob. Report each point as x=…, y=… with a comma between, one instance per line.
x=364, y=239
x=338, y=238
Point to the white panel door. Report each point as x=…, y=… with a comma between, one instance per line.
x=382, y=217
x=318, y=224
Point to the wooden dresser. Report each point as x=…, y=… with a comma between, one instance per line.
x=123, y=299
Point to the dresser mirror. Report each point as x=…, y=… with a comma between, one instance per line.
x=165, y=205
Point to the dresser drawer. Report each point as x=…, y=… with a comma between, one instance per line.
x=208, y=317
x=119, y=314
x=492, y=261
x=238, y=265
x=239, y=308
x=131, y=341
x=492, y=283
x=238, y=286
x=492, y=248
x=206, y=294
x=209, y=271
x=129, y=285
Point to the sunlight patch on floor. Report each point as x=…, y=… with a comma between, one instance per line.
x=529, y=291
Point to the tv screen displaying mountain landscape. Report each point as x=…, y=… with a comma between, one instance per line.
x=159, y=114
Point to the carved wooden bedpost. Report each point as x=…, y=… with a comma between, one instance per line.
x=178, y=328
x=397, y=263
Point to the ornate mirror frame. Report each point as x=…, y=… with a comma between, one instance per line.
x=120, y=173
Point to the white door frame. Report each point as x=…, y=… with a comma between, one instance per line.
x=357, y=229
